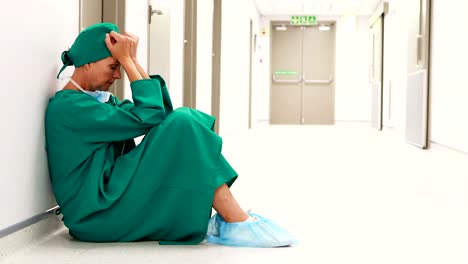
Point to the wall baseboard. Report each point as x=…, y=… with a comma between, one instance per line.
x=434, y=144
x=28, y=233
x=352, y=121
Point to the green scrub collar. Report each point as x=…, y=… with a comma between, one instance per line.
x=88, y=47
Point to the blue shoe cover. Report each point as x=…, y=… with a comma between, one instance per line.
x=213, y=225
x=261, y=232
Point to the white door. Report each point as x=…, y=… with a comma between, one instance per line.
x=159, y=40
x=417, y=91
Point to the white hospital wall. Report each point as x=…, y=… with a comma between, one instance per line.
x=34, y=38
x=261, y=91
x=260, y=70
x=449, y=90
x=31, y=62
x=353, y=57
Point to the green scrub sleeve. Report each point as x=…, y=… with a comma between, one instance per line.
x=165, y=94
x=103, y=123
x=167, y=102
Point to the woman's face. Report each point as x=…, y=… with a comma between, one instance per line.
x=103, y=73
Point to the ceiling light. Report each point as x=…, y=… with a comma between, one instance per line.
x=324, y=28
x=281, y=28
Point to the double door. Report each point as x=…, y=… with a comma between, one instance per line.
x=303, y=67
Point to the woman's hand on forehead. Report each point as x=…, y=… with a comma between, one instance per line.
x=119, y=46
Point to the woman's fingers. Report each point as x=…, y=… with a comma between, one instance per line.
x=134, y=44
x=119, y=46
x=109, y=43
x=130, y=35
x=116, y=36
x=132, y=38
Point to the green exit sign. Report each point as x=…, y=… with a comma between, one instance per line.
x=303, y=20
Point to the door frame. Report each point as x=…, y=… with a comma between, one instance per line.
x=190, y=53
x=377, y=92
x=250, y=72
x=114, y=11
x=380, y=12
x=95, y=17
x=216, y=63
x=429, y=22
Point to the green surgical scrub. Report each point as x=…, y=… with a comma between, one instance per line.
x=110, y=190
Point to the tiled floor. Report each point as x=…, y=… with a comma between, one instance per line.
x=350, y=194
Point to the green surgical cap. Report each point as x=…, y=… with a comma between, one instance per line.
x=89, y=46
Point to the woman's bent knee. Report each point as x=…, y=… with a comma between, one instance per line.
x=180, y=116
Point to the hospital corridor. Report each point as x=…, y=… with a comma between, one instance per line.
x=345, y=121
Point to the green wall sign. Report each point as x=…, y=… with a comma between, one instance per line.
x=285, y=73
x=303, y=20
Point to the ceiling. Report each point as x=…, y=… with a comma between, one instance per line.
x=316, y=7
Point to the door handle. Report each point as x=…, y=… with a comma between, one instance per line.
x=152, y=11
x=419, y=50
x=329, y=81
x=286, y=81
